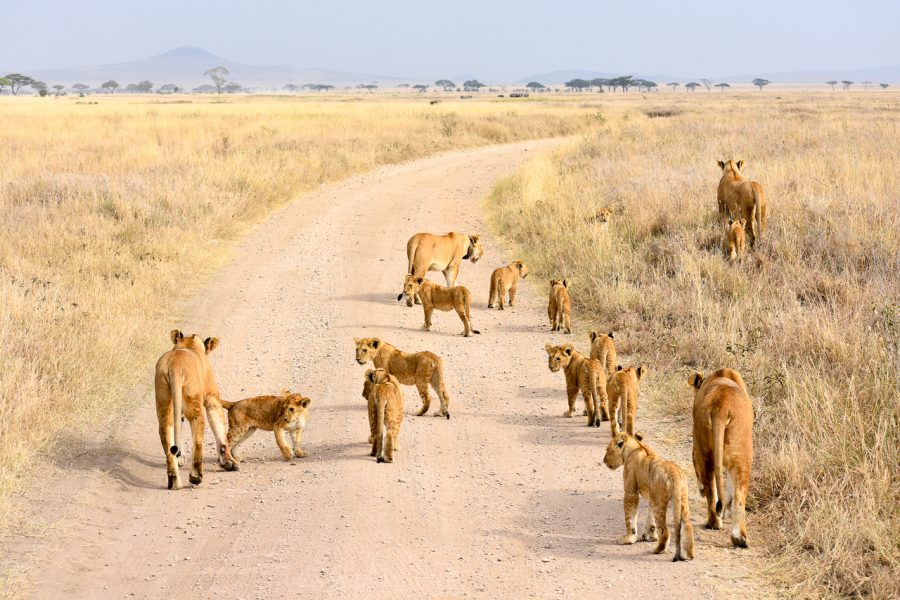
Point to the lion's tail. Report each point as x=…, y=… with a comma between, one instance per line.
x=493, y=290
x=718, y=449
x=468, y=299
x=175, y=385
x=226, y=404
x=683, y=526
x=758, y=197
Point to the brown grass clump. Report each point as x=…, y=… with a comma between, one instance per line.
x=113, y=211
x=811, y=318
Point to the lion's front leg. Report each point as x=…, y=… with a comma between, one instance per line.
x=428, y=309
x=451, y=273
x=299, y=452
x=286, y=451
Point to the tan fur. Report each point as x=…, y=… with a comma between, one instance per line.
x=736, y=239
x=622, y=389
x=660, y=482
x=385, y=397
x=428, y=252
x=185, y=387
x=603, y=348
x=602, y=218
x=419, y=369
x=436, y=296
x=282, y=414
x=741, y=198
x=559, y=308
x=582, y=374
x=723, y=439
x=506, y=279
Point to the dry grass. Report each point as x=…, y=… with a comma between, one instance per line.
x=114, y=210
x=811, y=318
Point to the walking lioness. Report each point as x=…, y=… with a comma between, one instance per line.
x=418, y=368
x=660, y=482
x=740, y=198
x=723, y=439
x=185, y=386
x=436, y=296
x=428, y=252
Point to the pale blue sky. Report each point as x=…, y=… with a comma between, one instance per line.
x=499, y=40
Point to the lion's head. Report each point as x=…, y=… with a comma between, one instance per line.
x=522, y=267
x=193, y=342
x=366, y=349
x=559, y=357
x=732, y=165
x=615, y=450
x=294, y=407
x=475, y=250
x=411, y=286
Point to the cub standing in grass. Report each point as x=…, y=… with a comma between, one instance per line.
x=417, y=368
x=185, y=386
x=506, y=278
x=584, y=374
x=735, y=240
x=742, y=198
x=280, y=414
x=622, y=390
x=723, y=438
x=604, y=349
x=660, y=482
x=385, y=397
x=559, y=308
x=436, y=296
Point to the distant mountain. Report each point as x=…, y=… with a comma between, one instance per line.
x=876, y=75
x=185, y=67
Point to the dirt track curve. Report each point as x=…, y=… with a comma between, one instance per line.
x=505, y=500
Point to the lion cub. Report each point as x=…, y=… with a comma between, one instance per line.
x=602, y=218
x=436, y=296
x=660, y=482
x=736, y=241
x=603, y=348
x=623, y=389
x=385, y=413
x=506, y=278
x=285, y=413
x=560, y=307
x=584, y=374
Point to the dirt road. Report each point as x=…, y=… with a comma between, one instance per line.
x=505, y=500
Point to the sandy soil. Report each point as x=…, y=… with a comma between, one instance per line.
x=507, y=499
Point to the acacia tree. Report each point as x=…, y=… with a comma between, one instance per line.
x=722, y=86
x=368, y=86
x=761, y=83
x=884, y=86
x=707, y=84
x=577, y=84
x=169, y=88
x=17, y=81
x=80, y=87
x=832, y=84
x=691, y=86
x=232, y=87
x=419, y=87
x=59, y=88
x=866, y=84
x=110, y=86
x=40, y=87
x=446, y=84
x=846, y=84
x=473, y=85
x=535, y=86
x=145, y=86
x=217, y=74
x=673, y=85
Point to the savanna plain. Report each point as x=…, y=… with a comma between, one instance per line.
x=115, y=209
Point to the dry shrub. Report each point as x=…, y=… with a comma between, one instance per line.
x=811, y=317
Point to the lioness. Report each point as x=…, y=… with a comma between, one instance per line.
x=603, y=348
x=427, y=252
x=723, y=438
x=184, y=383
x=436, y=296
x=584, y=374
x=506, y=278
x=417, y=368
x=280, y=414
x=735, y=241
x=660, y=482
x=742, y=198
x=559, y=308
x=386, y=399
x=623, y=389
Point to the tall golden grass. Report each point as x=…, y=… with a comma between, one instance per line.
x=811, y=318
x=112, y=209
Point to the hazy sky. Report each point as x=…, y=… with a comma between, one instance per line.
x=499, y=40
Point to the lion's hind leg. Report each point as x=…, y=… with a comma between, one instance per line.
x=423, y=375
x=659, y=509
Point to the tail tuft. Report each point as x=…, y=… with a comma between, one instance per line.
x=448, y=416
x=175, y=451
x=476, y=331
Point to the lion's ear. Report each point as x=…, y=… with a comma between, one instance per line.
x=419, y=280
x=552, y=282
x=304, y=402
x=740, y=164
x=569, y=349
x=641, y=371
x=176, y=336
x=593, y=335
x=730, y=222
x=565, y=283
x=370, y=375
x=285, y=392
x=639, y=436
x=211, y=343
x=375, y=343
x=548, y=348
x=619, y=368
x=610, y=334
x=696, y=380
x=721, y=164
x=475, y=238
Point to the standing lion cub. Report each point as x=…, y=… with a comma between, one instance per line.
x=559, y=308
x=736, y=241
x=582, y=374
x=506, y=279
x=281, y=414
x=660, y=482
x=434, y=296
x=382, y=390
